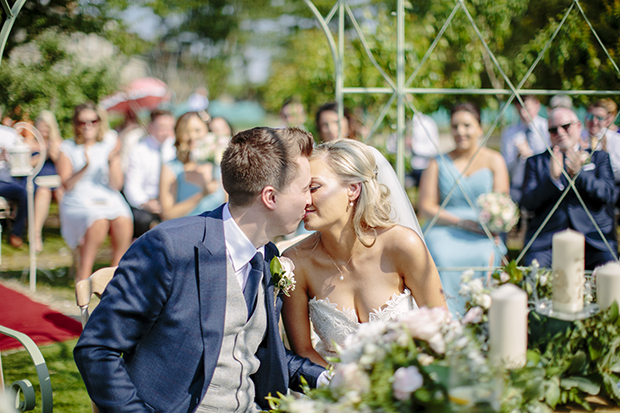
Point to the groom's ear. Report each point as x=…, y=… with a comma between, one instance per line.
x=268, y=197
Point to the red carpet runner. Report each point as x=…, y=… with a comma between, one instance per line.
x=39, y=322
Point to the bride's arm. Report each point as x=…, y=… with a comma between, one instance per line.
x=297, y=320
x=415, y=264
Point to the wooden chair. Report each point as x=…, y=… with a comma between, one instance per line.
x=84, y=290
x=95, y=284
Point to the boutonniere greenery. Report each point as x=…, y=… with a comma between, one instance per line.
x=282, y=275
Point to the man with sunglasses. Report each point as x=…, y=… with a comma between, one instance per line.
x=547, y=177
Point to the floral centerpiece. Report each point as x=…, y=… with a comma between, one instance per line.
x=497, y=211
x=566, y=361
x=403, y=365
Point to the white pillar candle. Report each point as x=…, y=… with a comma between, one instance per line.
x=508, y=326
x=568, y=271
x=608, y=285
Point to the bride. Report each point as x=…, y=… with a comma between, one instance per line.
x=359, y=265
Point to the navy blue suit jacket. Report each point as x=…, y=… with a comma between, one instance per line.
x=595, y=184
x=153, y=342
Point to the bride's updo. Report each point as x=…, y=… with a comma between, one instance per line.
x=353, y=162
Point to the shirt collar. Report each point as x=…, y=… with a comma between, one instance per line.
x=239, y=247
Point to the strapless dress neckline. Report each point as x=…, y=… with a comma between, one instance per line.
x=333, y=325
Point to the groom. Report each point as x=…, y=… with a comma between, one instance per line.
x=173, y=332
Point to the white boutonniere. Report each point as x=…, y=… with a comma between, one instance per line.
x=282, y=275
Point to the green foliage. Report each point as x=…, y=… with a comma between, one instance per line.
x=53, y=78
x=69, y=393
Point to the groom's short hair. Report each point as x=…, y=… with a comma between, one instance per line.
x=260, y=157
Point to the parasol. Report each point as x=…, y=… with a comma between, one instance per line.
x=142, y=93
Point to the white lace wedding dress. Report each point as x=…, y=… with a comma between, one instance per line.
x=333, y=325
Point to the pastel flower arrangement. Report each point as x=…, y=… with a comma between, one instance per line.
x=497, y=211
x=401, y=365
x=210, y=149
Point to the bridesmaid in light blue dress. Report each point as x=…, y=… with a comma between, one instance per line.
x=188, y=187
x=456, y=238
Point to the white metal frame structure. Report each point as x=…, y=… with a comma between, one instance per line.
x=399, y=88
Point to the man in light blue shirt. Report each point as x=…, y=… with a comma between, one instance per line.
x=522, y=140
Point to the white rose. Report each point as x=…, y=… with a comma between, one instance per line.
x=484, y=301
x=473, y=316
x=406, y=381
x=425, y=359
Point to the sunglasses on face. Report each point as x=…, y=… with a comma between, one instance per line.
x=83, y=123
x=554, y=129
x=591, y=116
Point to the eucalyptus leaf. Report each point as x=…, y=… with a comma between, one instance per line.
x=581, y=383
x=552, y=394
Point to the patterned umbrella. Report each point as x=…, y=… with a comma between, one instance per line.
x=142, y=93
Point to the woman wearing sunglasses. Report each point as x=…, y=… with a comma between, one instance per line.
x=90, y=168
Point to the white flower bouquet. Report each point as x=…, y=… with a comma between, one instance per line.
x=402, y=365
x=210, y=148
x=497, y=211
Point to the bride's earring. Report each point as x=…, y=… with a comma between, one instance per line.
x=350, y=205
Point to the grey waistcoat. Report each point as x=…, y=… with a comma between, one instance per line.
x=231, y=389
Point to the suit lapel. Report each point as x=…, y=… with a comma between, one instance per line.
x=210, y=257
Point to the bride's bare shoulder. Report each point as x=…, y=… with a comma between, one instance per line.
x=401, y=238
x=302, y=249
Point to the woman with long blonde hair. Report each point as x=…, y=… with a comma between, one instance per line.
x=359, y=265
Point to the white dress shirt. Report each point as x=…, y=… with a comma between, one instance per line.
x=517, y=133
x=144, y=167
x=239, y=248
x=8, y=138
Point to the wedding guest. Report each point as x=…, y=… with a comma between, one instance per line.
x=599, y=136
x=359, y=266
x=293, y=114
x=11, y=190
x=189, y=321
x=129, y=135
x=456, y=239
x=330, y=127
x=189, y=186
x=545, y=182
x=424, y=144
x=92, y=207
x=520, y=141
x=142, y=177
x=560, y=101
x=219, y=126
x=48, y=127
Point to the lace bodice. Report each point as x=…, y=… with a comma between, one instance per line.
x=333, y=325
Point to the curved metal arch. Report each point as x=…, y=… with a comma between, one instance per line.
x=7, y=26
x=403, y=88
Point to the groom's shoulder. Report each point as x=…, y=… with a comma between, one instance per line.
x=185, y=227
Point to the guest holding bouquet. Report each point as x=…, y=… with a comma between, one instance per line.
x=456, y=239
x=189, y=184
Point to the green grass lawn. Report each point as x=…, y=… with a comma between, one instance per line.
x=69, y=393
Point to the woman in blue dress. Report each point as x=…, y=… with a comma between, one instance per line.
x=188, y=186
x=456, y=238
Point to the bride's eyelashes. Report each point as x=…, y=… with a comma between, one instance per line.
x=314, y=188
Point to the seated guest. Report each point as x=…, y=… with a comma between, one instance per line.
x=456, y=239
x=92, y=207
x=544, y=183
x=189, y=186
x=599, y=136
x=522, y=140
x=142, y=176
x=11, y=190
x=48, y=127
x=329, y=126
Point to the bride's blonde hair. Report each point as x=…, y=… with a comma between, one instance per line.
x=353, y=162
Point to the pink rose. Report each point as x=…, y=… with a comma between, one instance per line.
x=406, y=381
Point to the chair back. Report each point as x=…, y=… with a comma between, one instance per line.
x=95, y=284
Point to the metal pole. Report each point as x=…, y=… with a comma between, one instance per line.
x=30, y=195
x=340, y=66
x=400, y=81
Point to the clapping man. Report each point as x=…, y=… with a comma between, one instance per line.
x=545, y=182
x=190, y=320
